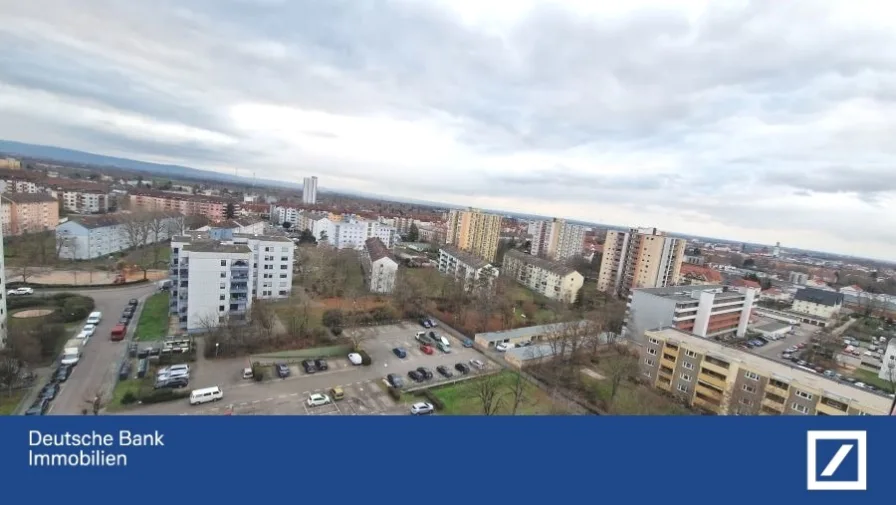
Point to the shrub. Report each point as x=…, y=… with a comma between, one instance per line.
x=395, y=393
x=333, y=318
x=336, y=331
x=258, y=372
x=434, y=400
x=365, y=358
x=128, y=398
x=74, y=308
x=175, y=358
x=163, y=395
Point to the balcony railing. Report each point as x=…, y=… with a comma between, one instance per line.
x=239, y=288
x=240, y=277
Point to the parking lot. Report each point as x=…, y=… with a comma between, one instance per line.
x=364, y=393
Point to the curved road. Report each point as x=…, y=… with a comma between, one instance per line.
x=98, y=366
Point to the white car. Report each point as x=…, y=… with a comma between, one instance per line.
x=318, y=399
x=422, y=408
x=181, y=368
x=20, y=291
x=477, y=363
x=503, y=346
x=355, y=358
x=89, y=329
x=83, y=335
x=247, y=373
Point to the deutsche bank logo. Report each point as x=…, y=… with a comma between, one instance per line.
x=836, y=461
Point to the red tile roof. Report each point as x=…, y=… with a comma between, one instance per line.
x=745, y=283
x=708, y=274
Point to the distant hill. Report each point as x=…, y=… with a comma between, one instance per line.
x=171, y=171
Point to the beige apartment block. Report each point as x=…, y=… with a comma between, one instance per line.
x=548, y=278
x=29, y=213
x=475, y=232
x=557, y=239
x=639, y=258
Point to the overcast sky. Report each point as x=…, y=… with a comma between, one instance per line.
x=760, y=121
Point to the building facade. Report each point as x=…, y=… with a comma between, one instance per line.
x=309, y=190
x=725, y=380
x=3, y=314
x=557, y=239
x=639, y=258
x=817, y=303
x=380, y=268
x=87, y=237
x=704, y=311
x=798, y=278
x=10, y=163
x=433, y=234
x=548, y=278
x=888, y=363
x=216, y=280
x=475, y=232
x=212, y=207
x=463, y=266
x=28, y=213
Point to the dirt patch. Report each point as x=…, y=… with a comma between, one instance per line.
x=591, y=373
x=24, y=314
x=81, y=277
x=349, y=304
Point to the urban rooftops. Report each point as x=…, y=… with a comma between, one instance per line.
x=819, y=296
x=544, y=264
x=464, y=257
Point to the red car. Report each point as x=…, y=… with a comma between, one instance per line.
x=426, y=349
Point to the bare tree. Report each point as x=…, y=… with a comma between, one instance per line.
x=65, y=243
x=489, y=391
x=137, y=228
x=517, y=392
x=157, y=230
x=10, y=371
x=620, y=366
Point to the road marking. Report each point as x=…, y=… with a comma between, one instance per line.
x=269, y=399
x=294, y=394
x=256, y=401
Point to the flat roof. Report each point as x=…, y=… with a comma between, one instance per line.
x=528, y=331
x=535, y=351
x=772, y=326
x=217, y=247
x=780, y=371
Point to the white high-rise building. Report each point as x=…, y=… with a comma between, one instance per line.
x=2, y=298
x=557, y=239
x=309, y=190
x=216, y=275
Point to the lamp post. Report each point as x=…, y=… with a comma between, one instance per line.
x=217, y=344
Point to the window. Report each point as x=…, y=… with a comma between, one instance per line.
x=654, y=341
x=223, y=263
x=221, y=297
x=283, y=292
x=746, y=401
x=803, y=394
x=802, y=409
x=648, y=361
x=687, y=365
x=220, y=308
x=223, y=285
x=651, y=352
x=282, y=276
x=749, y=389
x=752, y=376
x=685, y=377
x=223, y=275
x=682, y=388
x=648, y=374
x=284, y=258
x=283, y=267
x=284, y=249
x=689, y=353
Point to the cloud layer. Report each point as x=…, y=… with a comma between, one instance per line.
x=761, y=121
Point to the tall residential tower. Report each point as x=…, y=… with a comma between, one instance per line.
x=475, y=232
x=639, y=258
x=309, y=190
x=557, y=240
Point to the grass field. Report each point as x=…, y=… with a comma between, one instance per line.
x=122, y=387
x=872, y=379
x=9, y=402
x=463, y=398
x=633, y=399
x=153, y=323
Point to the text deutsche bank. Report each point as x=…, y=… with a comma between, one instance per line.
x=86, y=449
x=837, y=461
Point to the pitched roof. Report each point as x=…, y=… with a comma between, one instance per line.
x=544, y=264
x=745, y=283
x=819, y=296
x=377, y=250
x=104, y=220
x=708, y=274
x=464, y=257
x=76, y=185
x=28, y=197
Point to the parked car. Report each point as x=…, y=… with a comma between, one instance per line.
x=423, y=322
x=309, y=367
x=133, y=302
x=20, y=292
x=173, y=382
x=400, y=352
x=355, y=358
x=415, y=376
x=422, y=408
x=426, y=349
x=425, y=372
x=468, y=343
x=462, y=368
x=318, y=399
x=395, y=380
x=248, y=373
x=124, y=321
x=802, y=363
x=503, y=346
x=62, y=373
x=129, y=310
x=49, y=391
x=321, y=364
x=337, y=393
x=477, y=363
x=39, y=407
x=442, y=369
x=89, y=329
x=282, y=370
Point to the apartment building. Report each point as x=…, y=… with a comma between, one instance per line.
x=724, y=380
x=380, y=268
x=286, y=214
x=3, y=314
x=818, y=304
x=639, y=258
x=81, y=197
x=309, y=190
x=212, y=207
x=10, y=163
x=433, y=234
x=548, y=278
x=216, y=279
x=704, y=311
x=798, y=278
x=887, y=370
x=28, y=213
x=461, y=265
x=557, y=239
x=245, y=225
x=87, y=237
x=475, y=232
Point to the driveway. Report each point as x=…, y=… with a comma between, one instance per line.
x=98, y=368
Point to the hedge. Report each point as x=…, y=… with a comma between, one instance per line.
x=163, y=395
x=365, y=358
x=395, y=393
x=68, y=307
x=175, y=358
x=434, y=400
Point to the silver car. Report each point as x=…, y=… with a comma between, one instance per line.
x=422, y=408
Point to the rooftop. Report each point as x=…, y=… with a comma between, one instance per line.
x=104, y=220
x=535, y=351
x=211, y=246
x=819, y=296
x=377, y=250
x=28, y=197
x=691, y=293
x=779, y=371
x=182, y=196
x=772, y=326
x=464, y=257
x=708, y=274
x=544, y=264
x=265, y=238
x=530, y=331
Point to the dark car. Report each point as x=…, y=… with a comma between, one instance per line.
x=173, y=383
x=395, y=380
x=155, y=351
x=425, y=372
x=133, y=302
x=39, y=408
x=462, y=368
x=124, y=371
x=321, y=364
x=129, y=311
x=132, y=349
x=124, y=321
x=425, y=323
x=442, y=369
x=62, y=373
x=415, y=376
x=282, y=370
x=143, y=353
x=49, y=391
x=309, y=367
x=400, y=352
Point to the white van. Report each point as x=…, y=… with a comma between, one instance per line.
x=94, y=318
x=206, y=395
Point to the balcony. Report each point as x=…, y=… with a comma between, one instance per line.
x=239, y=298
x=713, y=366
x=239, y=265
x=776, y=390
x=769, y=404
x=710, y=392
x=713, y=380
x=239, y=287
x=705, y=404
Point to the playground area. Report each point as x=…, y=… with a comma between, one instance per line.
x=49, y=276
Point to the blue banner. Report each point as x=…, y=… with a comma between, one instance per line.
x=334, y=459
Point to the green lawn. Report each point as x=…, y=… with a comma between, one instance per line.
x=122, y=387
x=153, y=323
x=872, y=379
x=9, y=402
x=634, y=399
x=463, y=398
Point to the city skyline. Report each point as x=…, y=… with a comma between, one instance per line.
x=790, y=146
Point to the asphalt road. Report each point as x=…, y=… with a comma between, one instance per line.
x=98, y=365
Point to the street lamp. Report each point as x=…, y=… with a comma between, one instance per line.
x=217, y=344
